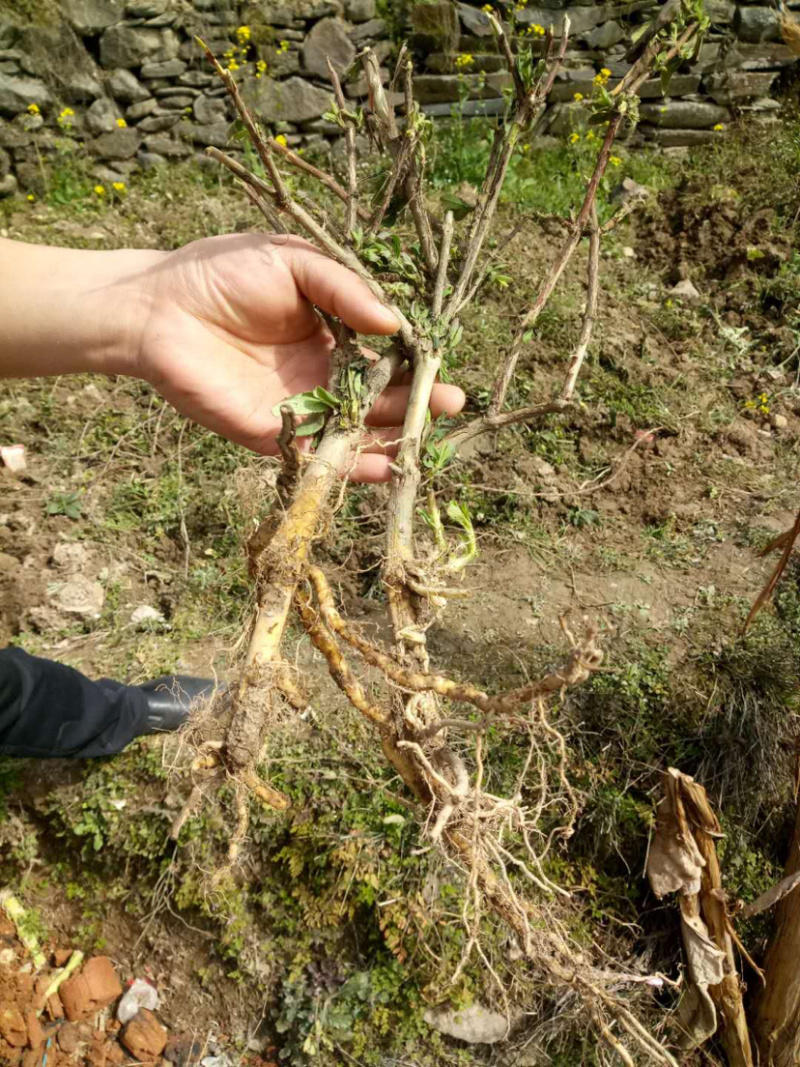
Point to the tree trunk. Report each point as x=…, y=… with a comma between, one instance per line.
x=776, y=1018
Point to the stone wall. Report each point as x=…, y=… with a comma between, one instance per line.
x=123, y=82
x=736, y=71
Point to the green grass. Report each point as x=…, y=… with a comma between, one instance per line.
x=549, y=180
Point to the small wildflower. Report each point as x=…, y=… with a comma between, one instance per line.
x=31, y=197
x=464, y=60
x=34, y=109
x=67, y=113
x=719, y=127
x=590, y=135
x=577, y=97
x=243, y=34
x=118, y=187
x=574, y=138
x=487, y=9
x=750, y=404
x=605, y=72
x=261, y=66
x=614, y=161
x=100, y=190
x=283, y=46
x=668, y=304
x=537, y=29
x=233, y=65
x=281, y=140
x=121, y=123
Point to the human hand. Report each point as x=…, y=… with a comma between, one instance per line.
x=228, y=331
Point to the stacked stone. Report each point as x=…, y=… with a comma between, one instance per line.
x=736, y=69
x=139, y=92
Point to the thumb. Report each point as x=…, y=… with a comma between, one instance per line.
x=337, y=290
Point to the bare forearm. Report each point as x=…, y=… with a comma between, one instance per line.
x=64, y=310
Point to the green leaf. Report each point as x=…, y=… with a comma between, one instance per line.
x=310, y=426
x=302, y=404
x=326, y=398
x=460, y=208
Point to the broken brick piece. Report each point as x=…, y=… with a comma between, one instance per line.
x=95, y=987
x=12, y=1026
x=34, y=1028
x=144, y=1036
x=55, y=1008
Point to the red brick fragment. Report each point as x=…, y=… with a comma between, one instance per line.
x=34, y=1028
x=144, y=1036
x=12, y=1026
x=92, y=989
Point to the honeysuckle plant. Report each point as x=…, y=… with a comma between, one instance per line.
x=431, y=728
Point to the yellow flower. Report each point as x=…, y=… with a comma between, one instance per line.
x=34, y=109
x=590, y=135
x=118, y=187
x=537, y=29
x=577, y=96
x=614, y=161
x=605, y=72
x=243, y=33
x=66, y=113
x=574, y=138
x=283, y=46
x=281, y=140
x=31, y=197
x=100, y=190
x=719, y=127
x=233, y=65
x=121, y=123
x=488, y=9
x=261, y=66
x=464, y=60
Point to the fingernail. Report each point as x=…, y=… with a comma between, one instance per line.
x=389, y=317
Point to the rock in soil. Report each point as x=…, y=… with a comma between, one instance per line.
x=144, y=1036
